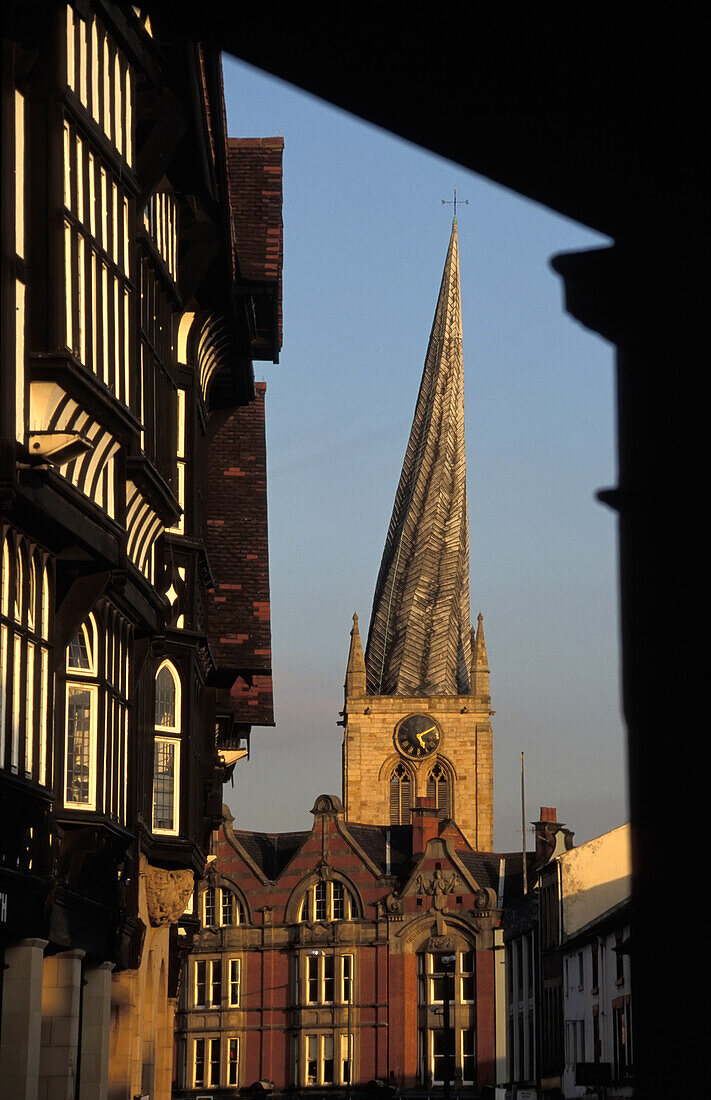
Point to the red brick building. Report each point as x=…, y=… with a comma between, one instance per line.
x=324, y=948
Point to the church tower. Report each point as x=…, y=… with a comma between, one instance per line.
x=417, y=706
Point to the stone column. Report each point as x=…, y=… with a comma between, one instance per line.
x=21, y=1026
x=164, y=1051
x=95, y=1033
x=61, y=1004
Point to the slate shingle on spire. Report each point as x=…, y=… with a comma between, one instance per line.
x=419, y=637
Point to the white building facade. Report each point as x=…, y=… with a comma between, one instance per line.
x=595, y=888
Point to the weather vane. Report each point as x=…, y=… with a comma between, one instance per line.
x=453, y=202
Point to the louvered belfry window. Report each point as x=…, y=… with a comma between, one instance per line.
x=400, y=796
x=438, y=788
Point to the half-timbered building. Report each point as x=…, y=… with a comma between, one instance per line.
x=141, y=276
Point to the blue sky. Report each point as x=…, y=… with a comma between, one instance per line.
x=365, y=237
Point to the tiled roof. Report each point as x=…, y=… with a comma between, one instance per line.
x=373, y=840
x=271, y=851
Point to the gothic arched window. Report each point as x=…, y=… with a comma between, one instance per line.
x=400, y=796
x=440, y=789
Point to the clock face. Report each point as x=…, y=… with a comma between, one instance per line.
x=417, y=735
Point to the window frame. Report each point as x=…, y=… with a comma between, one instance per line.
x=175, y=743
x=206, y=975
x=168, y=734
x=327, y=972
x=72, y=686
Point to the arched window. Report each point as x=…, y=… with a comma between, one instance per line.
x=327, y=901
x=81, y=718
x=97, y=661
x=167, y=698
x=232, y=910
x=166, y=755
x=439, y=788
x=222, y=906
x=400, y=796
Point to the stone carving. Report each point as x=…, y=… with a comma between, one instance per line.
x=327, y=804
x=438, y=886
x=323, y=870
x=393, y=904
x=167, y=893
x=482, y=899
x=440, y=943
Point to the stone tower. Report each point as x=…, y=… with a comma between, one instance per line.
x=417, y=706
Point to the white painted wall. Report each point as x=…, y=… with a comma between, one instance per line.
x=594, y=878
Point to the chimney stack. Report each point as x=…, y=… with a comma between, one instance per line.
x=552, y=837
x=425, y=824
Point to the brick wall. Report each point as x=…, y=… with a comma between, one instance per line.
x=239, y=623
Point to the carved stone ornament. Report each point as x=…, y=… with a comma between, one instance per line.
x=438, y=885
x=323, y=870
x=440, y=943
x=482, y=899
x=327, y=804
x=393, y=904
x=167, y=893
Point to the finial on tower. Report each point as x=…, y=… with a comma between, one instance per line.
x=355, y=669
x=479, y=673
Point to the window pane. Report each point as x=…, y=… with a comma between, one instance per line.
x=311, y=1059
x=312, y=978
x=329, y=967
x=164, y=768
x=232, y=1061
x=320, y=913
x=327, y=1059
x=200, y=989
x=214, y=1062
x=210, y=906
x=216, y=982
x=199, y=1062
x=227, y=907
x=78, y=655
x=166, y=699
x=78, y=789
x=234, y=981
x=339, y=905
x=468, y=1058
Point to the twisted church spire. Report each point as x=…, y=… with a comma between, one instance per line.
x=419, y=639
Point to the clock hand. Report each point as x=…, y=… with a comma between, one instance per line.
x=421, y=735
